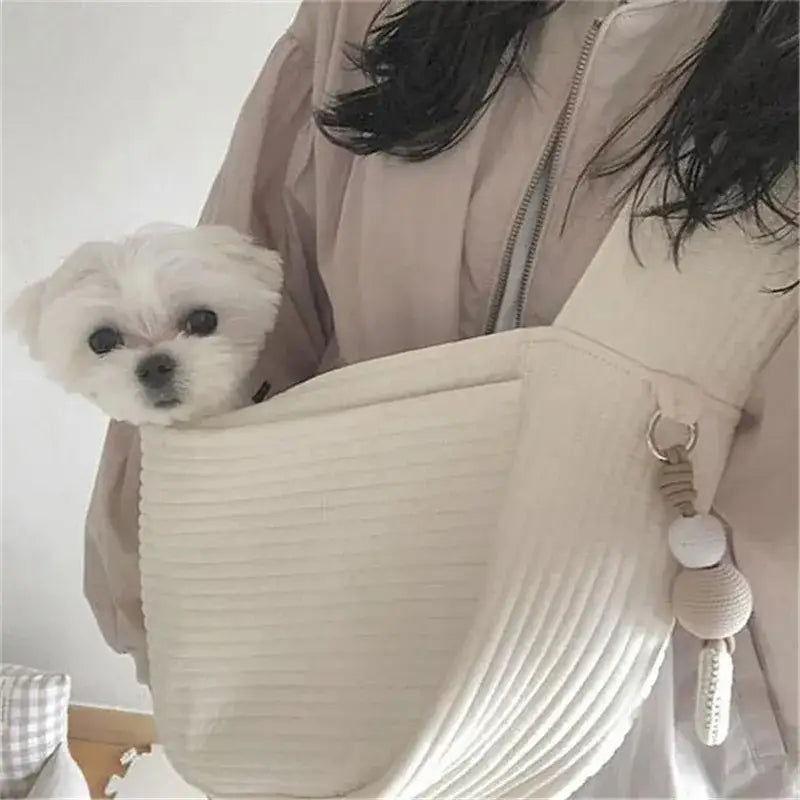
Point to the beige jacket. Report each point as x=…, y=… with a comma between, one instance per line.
x=384, y=256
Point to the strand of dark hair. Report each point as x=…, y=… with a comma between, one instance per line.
x=432, y=68
x=727, y=146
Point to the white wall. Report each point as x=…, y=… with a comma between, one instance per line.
x=114, y=115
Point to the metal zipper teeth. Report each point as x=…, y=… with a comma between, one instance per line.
x=553, y=142
x=558, y=147
x=519, y=220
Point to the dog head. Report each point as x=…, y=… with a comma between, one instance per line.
x=162, y=327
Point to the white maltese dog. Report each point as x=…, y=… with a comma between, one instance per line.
x=163, y=327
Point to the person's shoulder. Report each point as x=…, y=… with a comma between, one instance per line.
x=322, y=26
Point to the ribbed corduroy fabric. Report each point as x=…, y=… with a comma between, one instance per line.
x=444, y=574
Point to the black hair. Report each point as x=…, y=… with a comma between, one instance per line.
x=724, y=147
x=432, y=68
x=728, y=144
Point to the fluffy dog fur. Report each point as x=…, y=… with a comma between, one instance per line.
x=144, y=288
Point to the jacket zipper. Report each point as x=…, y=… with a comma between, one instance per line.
x=551, y=155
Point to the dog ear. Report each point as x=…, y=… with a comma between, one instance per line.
x=23, y=315
x=242, y=250
x=156, y=228
x=269, y=263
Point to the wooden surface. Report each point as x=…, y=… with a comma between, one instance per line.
x=99, y=761
x=111, y=726
x=99, y=736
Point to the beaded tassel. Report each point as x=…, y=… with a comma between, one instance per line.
x=710, y=599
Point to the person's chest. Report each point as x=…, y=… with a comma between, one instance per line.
x=497, y=231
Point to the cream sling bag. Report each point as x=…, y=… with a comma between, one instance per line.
x=444, y=573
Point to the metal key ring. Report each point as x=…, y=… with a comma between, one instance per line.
x=651, y=438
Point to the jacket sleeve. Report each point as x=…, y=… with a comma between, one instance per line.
x=265, y=187
x=758, y=498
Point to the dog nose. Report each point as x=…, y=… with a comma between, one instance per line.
x=156, y=371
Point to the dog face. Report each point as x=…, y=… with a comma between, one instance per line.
x=162, y=327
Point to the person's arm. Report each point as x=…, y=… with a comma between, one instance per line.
x=758, y=498
x=266, y=187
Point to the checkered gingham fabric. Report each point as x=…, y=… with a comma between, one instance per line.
x=33, y=722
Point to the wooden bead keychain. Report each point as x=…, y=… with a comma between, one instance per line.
x=711, y=599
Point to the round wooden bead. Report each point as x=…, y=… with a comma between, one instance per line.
x=697, y=541
x=712, y=603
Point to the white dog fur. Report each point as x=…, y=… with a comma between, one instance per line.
x=144, y=287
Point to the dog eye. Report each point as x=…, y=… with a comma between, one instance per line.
x=104, y=340
x=200, y=322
